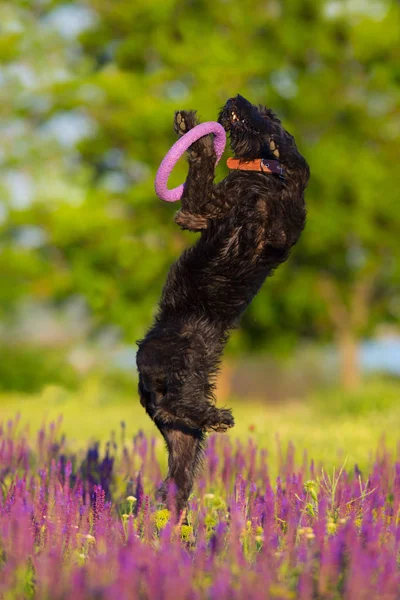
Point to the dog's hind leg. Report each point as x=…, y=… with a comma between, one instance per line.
x=184, y=445
x=185, y=450
x=189, y=404
x=183, y=425
x=180, y=404
x=184, y=421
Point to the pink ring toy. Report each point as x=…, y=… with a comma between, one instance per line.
x=174, y=154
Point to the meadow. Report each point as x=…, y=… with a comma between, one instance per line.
x=301, y=500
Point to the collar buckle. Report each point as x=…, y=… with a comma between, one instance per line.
x=272, y=166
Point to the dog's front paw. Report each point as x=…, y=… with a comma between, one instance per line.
x=222, y=420
x=184, y=120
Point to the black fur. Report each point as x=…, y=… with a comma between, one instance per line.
x=248, y=223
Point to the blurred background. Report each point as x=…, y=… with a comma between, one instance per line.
x=88, y=90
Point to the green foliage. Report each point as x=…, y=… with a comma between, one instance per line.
x=376, y=396
x=28, y=368
x=329, y=69
x=291, y=56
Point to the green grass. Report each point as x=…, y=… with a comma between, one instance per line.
x=331, y=425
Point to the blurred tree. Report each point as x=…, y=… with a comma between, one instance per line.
x=328, y=68
x=38, y=161
x=331, y=70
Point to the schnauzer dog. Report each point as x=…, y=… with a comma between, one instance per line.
x=248, y=223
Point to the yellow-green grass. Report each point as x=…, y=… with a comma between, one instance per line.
x=332, y=427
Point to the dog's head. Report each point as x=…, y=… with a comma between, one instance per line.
x=251, y=127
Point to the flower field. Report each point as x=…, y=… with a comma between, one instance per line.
x=87, y=526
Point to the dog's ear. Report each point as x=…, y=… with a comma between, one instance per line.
x=268, y=113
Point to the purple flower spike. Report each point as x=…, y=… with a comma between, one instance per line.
x=65, y=535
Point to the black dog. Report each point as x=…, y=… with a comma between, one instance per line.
x=248, y=223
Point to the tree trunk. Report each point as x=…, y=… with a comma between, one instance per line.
x=349, y=319
x=350, y=370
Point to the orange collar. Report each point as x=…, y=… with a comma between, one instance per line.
x=263, y=165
